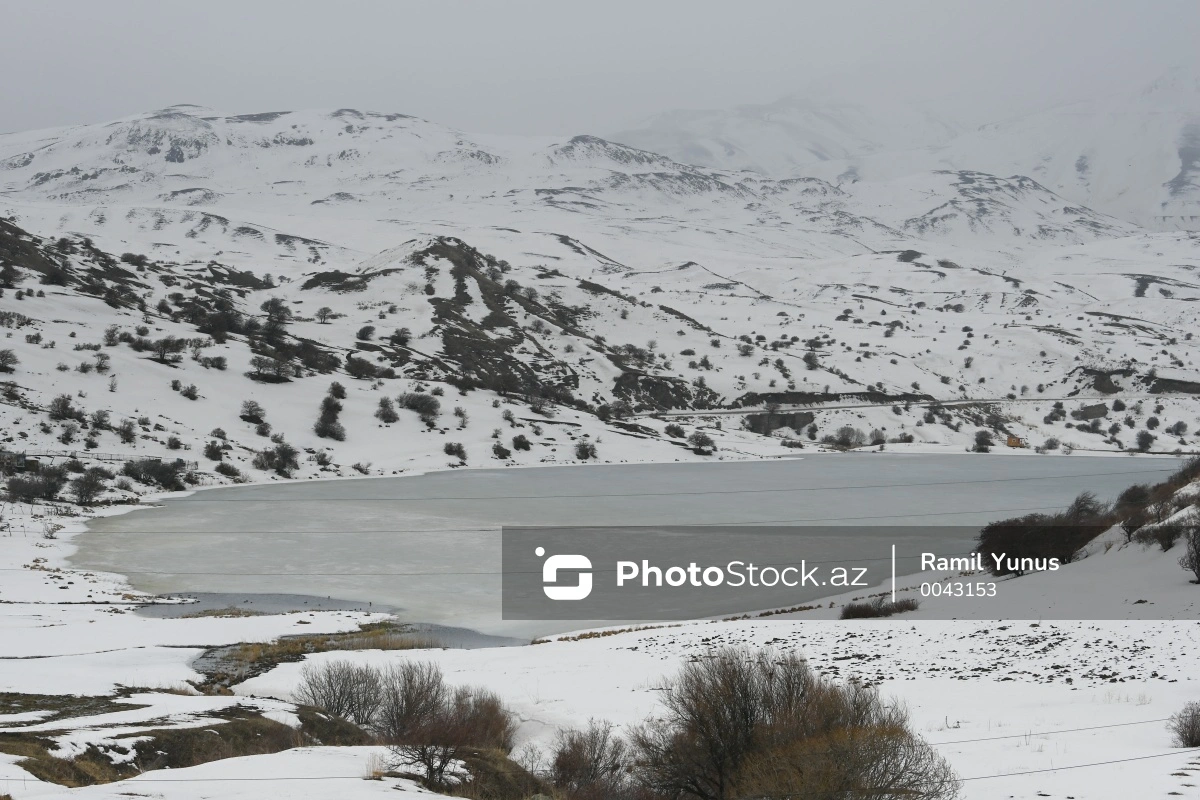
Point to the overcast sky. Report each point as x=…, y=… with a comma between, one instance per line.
x=567, y=66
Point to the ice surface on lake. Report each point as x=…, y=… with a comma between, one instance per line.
x=429, y=545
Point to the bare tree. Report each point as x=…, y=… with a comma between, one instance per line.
x=411, y=694
x=589, y=762
x=252, y=411
x=466, y=718
x=1185, y=725
x=88, y=486
x=1190, y=560
x=168, y=349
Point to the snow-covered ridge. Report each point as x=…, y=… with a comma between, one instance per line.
x=168, y=169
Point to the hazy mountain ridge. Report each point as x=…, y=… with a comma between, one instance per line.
x=1134, y=155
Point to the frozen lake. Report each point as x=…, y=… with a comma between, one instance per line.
x=428, y=545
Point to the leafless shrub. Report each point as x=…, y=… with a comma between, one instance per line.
x=589, y=763
x=1185, y=725
x=754, y=724
x=1164, y=534
x=1132, y=523
x=341, y=688
x=883, y=759
x=1188, y=472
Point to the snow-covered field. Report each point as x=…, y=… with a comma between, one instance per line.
x=1020, y=707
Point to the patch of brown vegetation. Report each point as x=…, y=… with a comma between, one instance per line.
x=243, y=661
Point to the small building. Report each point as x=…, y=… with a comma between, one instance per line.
x=11, y=462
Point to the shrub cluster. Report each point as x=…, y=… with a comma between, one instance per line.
x=43, y=485
x=327, y=425
x=153, y=472
x=62, y=408
x=363, y=369
x=386, y=413
x=410, y=708
x=1190, y=560
x=1043, y=536
x=1148, y=515
x=878, y=608
x=282, y=459
x=758, y=724
x=427, y=406
x=253, y=412
x=1165, y=534
x=847, y=437
x=229, y=471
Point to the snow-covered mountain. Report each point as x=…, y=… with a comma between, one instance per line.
x=579, y=272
